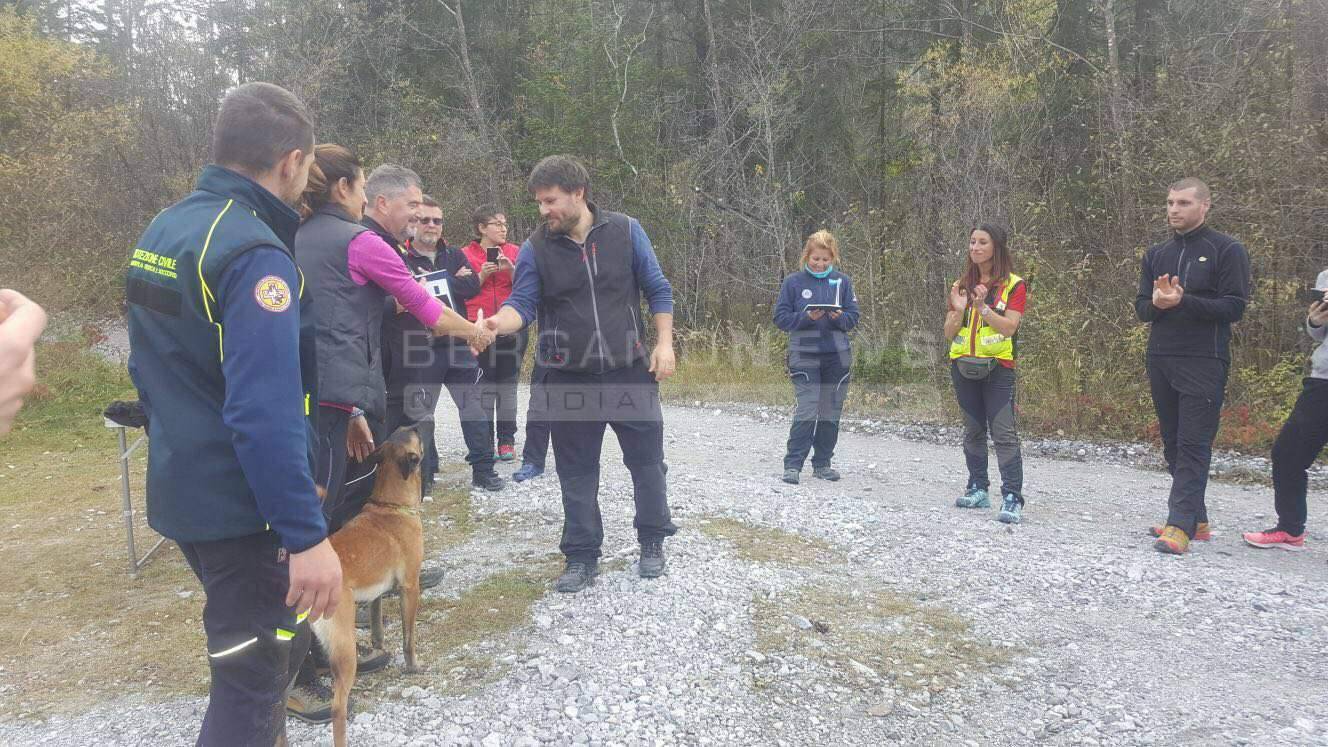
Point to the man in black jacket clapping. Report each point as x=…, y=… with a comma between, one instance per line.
x=1192, y=287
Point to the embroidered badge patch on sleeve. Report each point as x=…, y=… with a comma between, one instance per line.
x=273, y=294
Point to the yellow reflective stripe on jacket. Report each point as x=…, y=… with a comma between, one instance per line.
x=202, y=283
x=284, y=635
x=978, y=340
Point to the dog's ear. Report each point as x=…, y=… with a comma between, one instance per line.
x=375, y=456
x=408, y=463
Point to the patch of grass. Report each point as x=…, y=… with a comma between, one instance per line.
x=740, y=366
x=768, y=544
x=74, y=386
x=77, y=628
x=447, y=519
x=456, y=640
x=717, y=378
x=912, y=645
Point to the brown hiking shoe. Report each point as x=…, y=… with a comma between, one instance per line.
x=1202, y=532
x=311, y=703
x=1172, y=541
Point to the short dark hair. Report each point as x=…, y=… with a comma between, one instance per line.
x=563, y=172
x=429, y=201
x=483, y=214
x=1200, y=189
x=258, y=125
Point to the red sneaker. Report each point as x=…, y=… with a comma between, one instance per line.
x=506, y=452
x=1202, y=532
x=1275, y=538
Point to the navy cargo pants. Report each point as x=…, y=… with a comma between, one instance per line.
x=254, y=644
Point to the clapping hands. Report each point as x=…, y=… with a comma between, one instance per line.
x=1167, y=292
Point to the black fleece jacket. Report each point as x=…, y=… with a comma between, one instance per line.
x=1214, y=271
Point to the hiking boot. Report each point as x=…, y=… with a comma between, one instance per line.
x=578, y=575
x=652, y=559
x=1172, y=541
x=311, y=703
x=368, y=659
x=1202, y=532
x=825, y=473
x=1011, y=510
x=430, y=577
x=506, y=452
x=792, y=476
x=974, y=498
x=1275, y=538
x=489, y=481
x=527, y=472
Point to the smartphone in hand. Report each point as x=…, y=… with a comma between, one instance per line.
x=491, y=254
x=1310, y=295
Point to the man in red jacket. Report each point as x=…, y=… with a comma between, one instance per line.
x=494, y=259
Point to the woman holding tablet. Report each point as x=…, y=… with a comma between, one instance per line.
x=986, y=306
x=817, y=308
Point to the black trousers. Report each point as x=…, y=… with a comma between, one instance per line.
x=580, y=406
x=1302, y=437
x=501, y=362
x=347, y=483
x=536, y=448
x=820, y=382
x=254, y=644
x=988, y=407
x=1187, y=394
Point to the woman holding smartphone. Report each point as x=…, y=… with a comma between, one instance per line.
x=817, y=308
x=494, y=259
x=986, y=306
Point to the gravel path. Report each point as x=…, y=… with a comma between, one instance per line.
x=1067, y=629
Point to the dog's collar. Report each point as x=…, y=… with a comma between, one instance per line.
x=408, y=510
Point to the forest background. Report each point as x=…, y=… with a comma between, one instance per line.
x=732, y=129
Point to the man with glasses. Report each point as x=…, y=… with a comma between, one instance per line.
x=422, y=365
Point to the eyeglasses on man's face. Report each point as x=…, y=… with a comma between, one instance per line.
x=434, y=221
x=498, y=223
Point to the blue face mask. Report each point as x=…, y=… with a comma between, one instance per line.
x=821, y=275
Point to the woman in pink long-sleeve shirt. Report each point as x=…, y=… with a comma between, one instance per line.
x=334, y=199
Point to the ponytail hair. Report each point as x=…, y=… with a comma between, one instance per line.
x=332, y=163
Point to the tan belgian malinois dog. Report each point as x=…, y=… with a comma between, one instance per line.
x=380, y=549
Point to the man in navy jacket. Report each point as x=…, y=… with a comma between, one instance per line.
x=222, y=355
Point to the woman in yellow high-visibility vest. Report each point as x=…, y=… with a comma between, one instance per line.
x=986, y=305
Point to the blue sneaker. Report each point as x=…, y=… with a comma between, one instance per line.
x=527, y=472
x=974, y=498
x=1011, y=509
